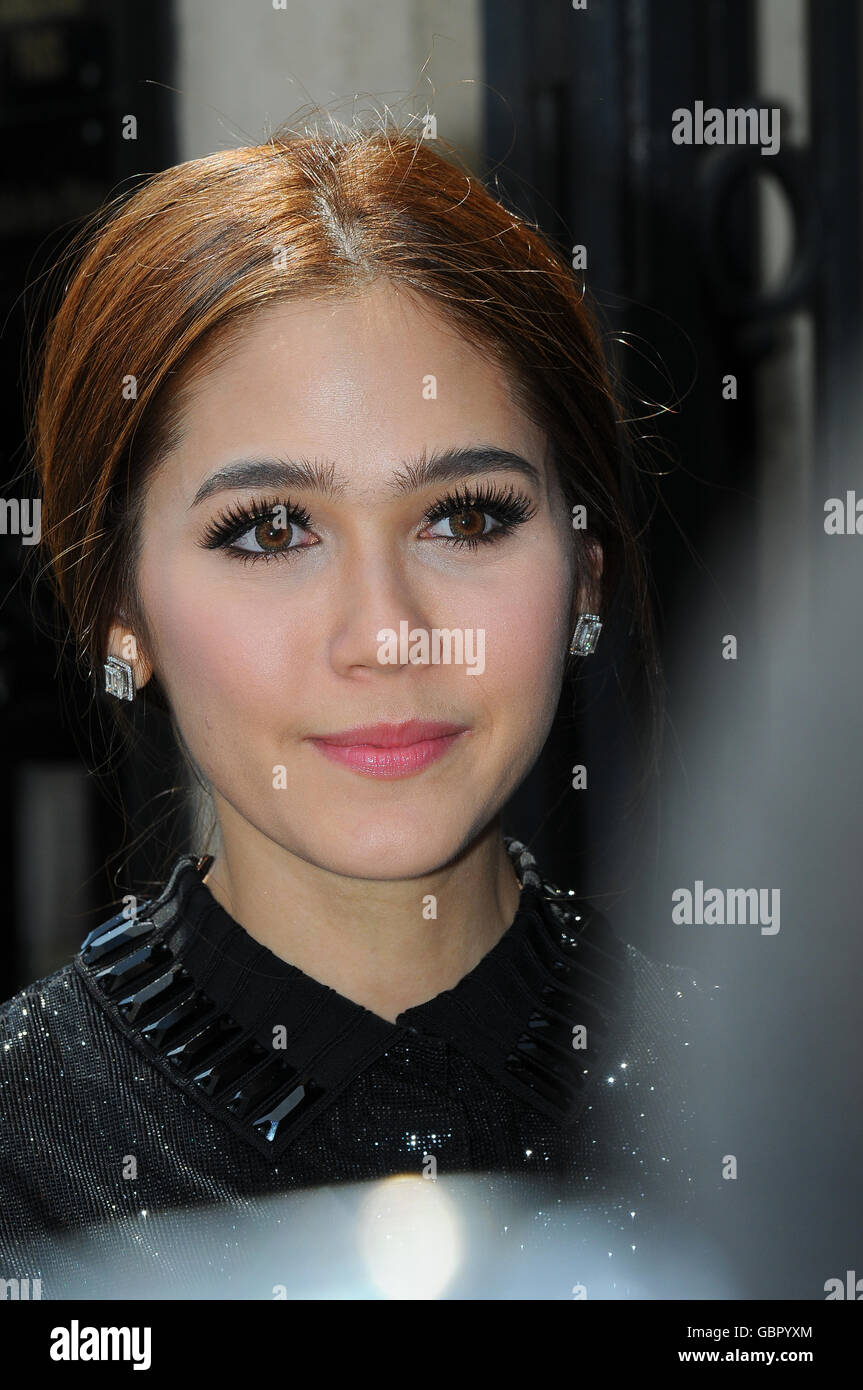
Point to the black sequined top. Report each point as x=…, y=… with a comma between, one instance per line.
x=177, y=1068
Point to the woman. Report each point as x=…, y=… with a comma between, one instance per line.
x=331, y=469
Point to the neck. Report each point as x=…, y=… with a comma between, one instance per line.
x=374, y=941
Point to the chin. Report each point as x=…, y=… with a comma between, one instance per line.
x=383, y=847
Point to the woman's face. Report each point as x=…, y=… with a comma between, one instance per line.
x=264, y=649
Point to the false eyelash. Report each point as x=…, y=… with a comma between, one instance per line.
x=242, y=516
x=510, y=508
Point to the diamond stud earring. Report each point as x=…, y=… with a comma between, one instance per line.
x=119, y=680
x=586, y=634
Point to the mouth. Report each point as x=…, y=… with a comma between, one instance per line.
x=390, y=750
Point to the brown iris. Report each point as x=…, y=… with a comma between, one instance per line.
x=459, y=522
x=271, y=537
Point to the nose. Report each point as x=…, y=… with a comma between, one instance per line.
x=375, y=594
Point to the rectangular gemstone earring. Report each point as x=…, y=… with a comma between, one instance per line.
x=119, y=680
x=586, y=634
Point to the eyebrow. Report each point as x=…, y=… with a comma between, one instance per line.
x=415, y=474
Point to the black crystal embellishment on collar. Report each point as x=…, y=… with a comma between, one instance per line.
x=134, y=971
x=583, y=961
x=198, y=997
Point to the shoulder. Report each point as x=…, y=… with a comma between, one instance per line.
x=35, y=1009
x=647, y=993
x=672, y=994
x=49, y=1035
x=44, y=1017
x=48, y=1038
x=659, y=1041
x=52, y=1031
x=659, y=1006
x=64, y=1093
x=672, y=1023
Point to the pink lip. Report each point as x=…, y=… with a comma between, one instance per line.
x=390, y=750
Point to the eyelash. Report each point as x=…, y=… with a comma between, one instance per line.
x=508, y=508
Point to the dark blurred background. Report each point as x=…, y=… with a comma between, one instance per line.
x=705, y=262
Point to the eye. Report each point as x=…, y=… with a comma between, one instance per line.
x=275, y=534
x=480, y=517
x=467, y=525
x=259, y=530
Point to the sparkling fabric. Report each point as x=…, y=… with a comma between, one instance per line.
x=177, y=1069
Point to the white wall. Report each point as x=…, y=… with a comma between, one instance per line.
x=244, y=66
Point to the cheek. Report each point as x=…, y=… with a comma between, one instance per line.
x=530, y=620
x=220, y=650
x=532, y=634
x=227, y=651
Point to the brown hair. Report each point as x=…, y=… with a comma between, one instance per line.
x=158, y=283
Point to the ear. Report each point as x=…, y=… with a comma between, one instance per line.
x=587, y=595
x=123, y=643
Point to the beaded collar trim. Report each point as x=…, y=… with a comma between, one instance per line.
x=265, y=1048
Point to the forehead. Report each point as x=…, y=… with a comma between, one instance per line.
x=364, y=381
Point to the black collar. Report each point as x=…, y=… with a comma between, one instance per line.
x=265, y=1048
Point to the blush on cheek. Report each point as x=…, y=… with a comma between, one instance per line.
x=535, y=660
x=536, y=623
x=236, y=690
x=230, y=650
